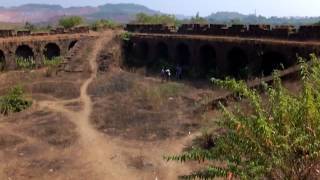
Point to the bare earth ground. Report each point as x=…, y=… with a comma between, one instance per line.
x=98, y=125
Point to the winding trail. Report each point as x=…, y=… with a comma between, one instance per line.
x=99, y=156
x=95, y=151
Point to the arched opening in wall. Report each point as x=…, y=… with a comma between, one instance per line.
x=238, y=63
x=2, y=61
x=208, y=64
x=183, y=55
x=72, y=44
x=51, y=51
x=273, y=61
x=142, y=51
x=162, y=53
x=25, y=52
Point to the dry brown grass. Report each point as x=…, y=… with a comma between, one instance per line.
x=142, y=108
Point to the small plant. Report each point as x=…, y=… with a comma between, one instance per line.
x=52, y=65
x=273, y=139
x=126, y=36
x=25, y=63
x=53, y=62
x=14, y=101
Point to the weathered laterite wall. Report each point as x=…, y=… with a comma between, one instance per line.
x=225, y=55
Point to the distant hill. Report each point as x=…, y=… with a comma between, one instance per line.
x=120, y=12
x=238, y=18
x=37, y=13
x=125, y=12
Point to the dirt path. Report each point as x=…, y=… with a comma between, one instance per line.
x=103, y=157
x=94, y=151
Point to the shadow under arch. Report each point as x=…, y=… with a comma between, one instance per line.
x=142, y=51
x=162, y=57
x=238, y=63
x=272, y=60
x=208, y=64
x=51, y=51
x=25, y=52
x=183, y=55
x=2, y=61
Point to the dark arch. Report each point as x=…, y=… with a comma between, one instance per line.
x=162, y=52
x=72, y=44
x=2, y=61
x=51, y=50
x=142, y=51
x=208, y=60
x=238, y=63
x=183, y=55
x=273, y=61
x=24, y=51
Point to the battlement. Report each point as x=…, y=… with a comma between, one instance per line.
x=241, y=30
x=6, y=33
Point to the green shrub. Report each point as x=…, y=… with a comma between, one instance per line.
x=276, y=138
x=25, y=63
x=71, y=21
x=13, y=101
x=126, y=36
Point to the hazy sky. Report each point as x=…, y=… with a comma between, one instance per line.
x=204, y=7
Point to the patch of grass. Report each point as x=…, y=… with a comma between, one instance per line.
x=25, y=63
x=159, y=94
x=14, y=101
x=54, y=62
x=52, y=65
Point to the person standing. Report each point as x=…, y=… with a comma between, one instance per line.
x=163, y=74
x=179, y=72
x=168, y=74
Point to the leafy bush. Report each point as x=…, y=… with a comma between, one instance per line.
x=25, y=63
x=276, y=139
x=13, y=101
x=71, y=21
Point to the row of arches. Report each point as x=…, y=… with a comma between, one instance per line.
x=237, y=59
x=50, y=51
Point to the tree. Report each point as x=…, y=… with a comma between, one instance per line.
x=71, y=21
x=198, y=20
x=276, y=139
x=29, y=26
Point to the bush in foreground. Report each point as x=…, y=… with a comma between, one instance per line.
x=13, y=101
x=276, y=138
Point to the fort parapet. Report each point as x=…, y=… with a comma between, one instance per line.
x=240, y=30
x=221, y=50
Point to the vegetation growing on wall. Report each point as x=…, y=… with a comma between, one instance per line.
x=25, y=63
x=276, y=139
x=14, y=101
